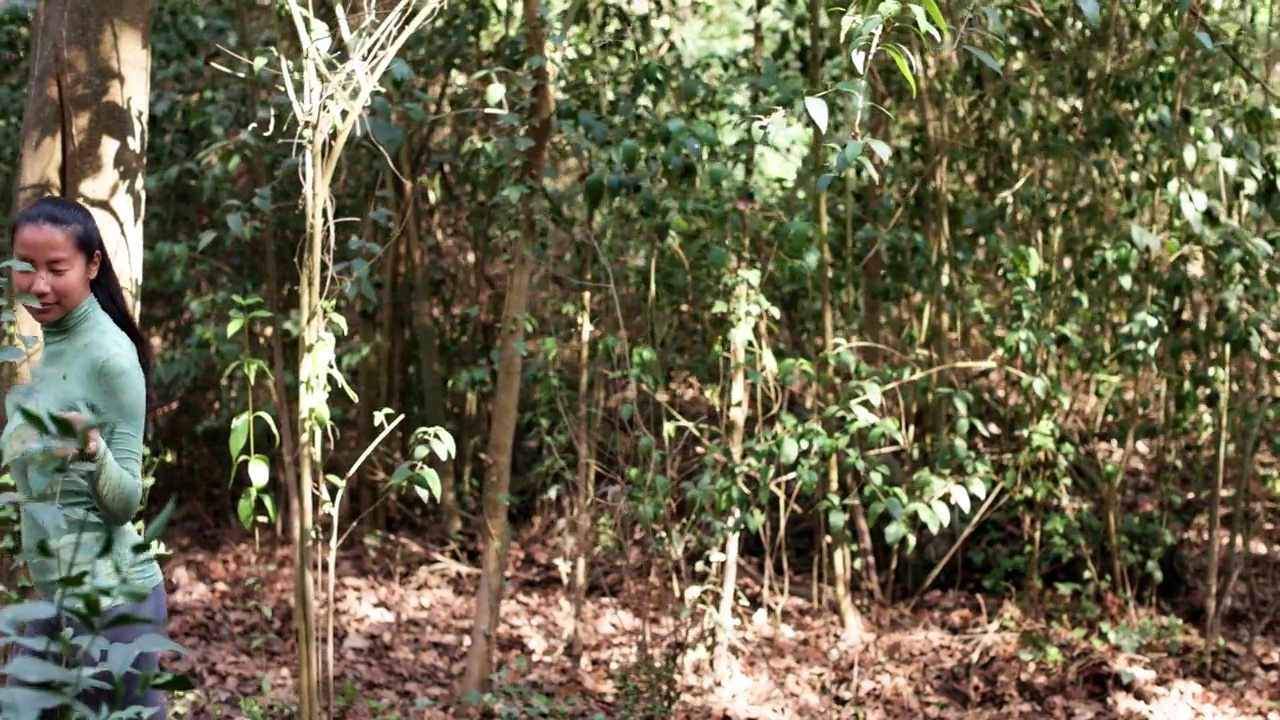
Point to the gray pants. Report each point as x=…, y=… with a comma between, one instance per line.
x=155, y=610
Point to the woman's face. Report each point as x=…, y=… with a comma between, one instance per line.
x=59, y=275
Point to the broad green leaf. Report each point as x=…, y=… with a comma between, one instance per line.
x=494, y=93
x=389, y=136
x=442, y=445
x=244, y=509
x=790, y=451
x=259, y=472
x=835, y=519
x=427, y=485
x=818, y=112
x=943, y=512
x=239, y=435
x=894, y=532
x=880, y=148
x=977, y=488
x=960, y=498
x=873, y=393
x=928, y=517
x=13, y=617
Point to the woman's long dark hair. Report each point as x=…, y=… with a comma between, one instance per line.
x=76, y=219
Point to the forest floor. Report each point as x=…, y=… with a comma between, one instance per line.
x=404, y=615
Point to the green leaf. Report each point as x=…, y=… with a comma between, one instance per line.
x=390, y=137
x=442, y=445
x=427, y=485
x=942, y=511
x=901, y=61
x=1189, y=155
x=13, y=617
x=206, y=237
x=494, y=93
x=159, y=522
x=790, y=451
x=977, y=488
x=873, y=393
x=894, y=532
x=880, y=148
x=269, y=505
x=985, y=58
x=923, y=26
x=239, y=435
x=234, y=325
x=629, y=153
x=259, y=472
x=865, y=162
x=818, y=112
x=835, y=519
x=31, y=670
x=402, y=473
x=593, y=190
x=1143, y=239
x=1261, y=247
x=235, y=223
x=960, y=498
x=935, y=14
x=156, y=643
x=271, y=424
x=928, y=517
x=244, y=509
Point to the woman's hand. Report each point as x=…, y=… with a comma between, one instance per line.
x=92, y=438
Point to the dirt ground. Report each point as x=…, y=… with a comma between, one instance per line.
x=404, y=614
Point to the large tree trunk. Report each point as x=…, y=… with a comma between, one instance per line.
x=84, y=136
x=506, y=400
x=84, y=127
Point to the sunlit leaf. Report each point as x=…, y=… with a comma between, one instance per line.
x=818, y=112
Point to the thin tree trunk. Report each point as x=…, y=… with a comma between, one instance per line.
x=495, y=526
x=580, y=502
x=837, y=537
x=433, y=380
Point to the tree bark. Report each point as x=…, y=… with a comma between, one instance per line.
x=495, y=528
x=84, y=129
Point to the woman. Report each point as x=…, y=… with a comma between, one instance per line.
x=79, y=501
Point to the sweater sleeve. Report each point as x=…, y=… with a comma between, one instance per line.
x=117, y=477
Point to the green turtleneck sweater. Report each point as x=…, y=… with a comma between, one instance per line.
x=76, y=513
